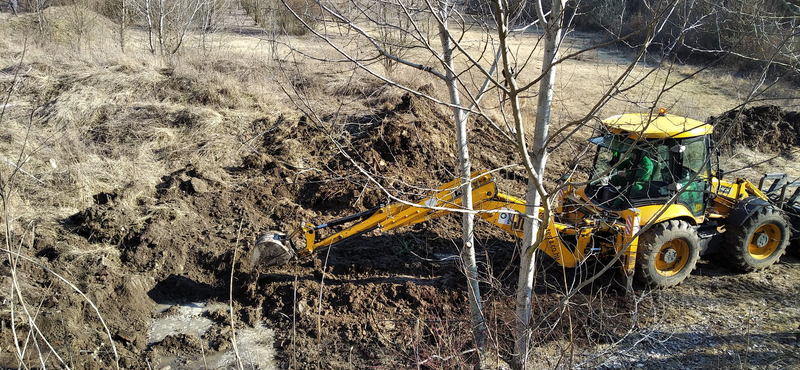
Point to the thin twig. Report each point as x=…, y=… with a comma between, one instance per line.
x=230, y=300
x=203, y=353
x=319, y=307
x=294, y=323
x=19, y=168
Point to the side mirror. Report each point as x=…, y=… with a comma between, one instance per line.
x=720, y=173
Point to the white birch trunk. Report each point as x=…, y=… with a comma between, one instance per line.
x=161, y=15
x=197, y=7
x=464, y=172
x=532, y=232
x=147, y=10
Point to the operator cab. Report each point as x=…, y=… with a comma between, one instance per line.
x=645, y=160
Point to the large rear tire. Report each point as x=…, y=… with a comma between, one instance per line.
x=760, y=241
x=667, y=254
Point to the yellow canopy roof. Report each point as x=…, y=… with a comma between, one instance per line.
x=646, y=126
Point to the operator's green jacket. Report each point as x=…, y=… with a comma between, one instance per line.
x=641, y=175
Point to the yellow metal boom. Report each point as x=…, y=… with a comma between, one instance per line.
x=504, y=211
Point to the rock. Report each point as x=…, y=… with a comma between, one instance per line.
x=198, y=186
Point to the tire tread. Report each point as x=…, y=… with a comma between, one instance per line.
x=739, y=239
x=652, y=240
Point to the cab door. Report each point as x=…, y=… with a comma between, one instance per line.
x=692, y=171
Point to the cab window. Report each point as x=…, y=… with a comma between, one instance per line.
x=693, y=163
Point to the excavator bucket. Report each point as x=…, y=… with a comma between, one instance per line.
x=785, y=194
x=270, y=250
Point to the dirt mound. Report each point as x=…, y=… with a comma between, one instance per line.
x=408, y=147
x=159, y=180
x=766, y=128
x=183, y=238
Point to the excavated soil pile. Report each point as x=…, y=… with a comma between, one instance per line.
x=766, y=128
x=175, y=174
x=179, y=244
x=376, y=300
x=408, y=148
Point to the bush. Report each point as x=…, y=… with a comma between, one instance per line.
x=743, y=34
x=273, y=16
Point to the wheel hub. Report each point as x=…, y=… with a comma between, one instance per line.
x=670, y=255
x=761, y=240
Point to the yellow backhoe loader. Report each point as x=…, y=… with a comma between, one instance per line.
x=654, y=171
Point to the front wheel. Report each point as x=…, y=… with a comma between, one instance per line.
x=667, y=254
x=760, y=241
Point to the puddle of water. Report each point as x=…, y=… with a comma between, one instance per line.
x=255, y=345
x=187, y=320
x=255, y=349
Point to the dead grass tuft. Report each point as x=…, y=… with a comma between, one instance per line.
x=113, y=122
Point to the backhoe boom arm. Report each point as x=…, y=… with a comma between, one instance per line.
x=444, y=201
x=504, y=211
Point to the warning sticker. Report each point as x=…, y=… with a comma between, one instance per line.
x=505, y=218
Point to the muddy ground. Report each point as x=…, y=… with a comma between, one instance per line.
x=379, y=301
x=167, y=263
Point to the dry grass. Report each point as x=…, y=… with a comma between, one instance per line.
x=108, y=121
x=581, y=82
x=751, y=164
x=98, y=120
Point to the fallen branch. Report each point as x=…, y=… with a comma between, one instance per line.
x=19, y=168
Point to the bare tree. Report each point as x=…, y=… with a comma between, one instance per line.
x=82, y=20
x=535, y=160
x=14, y=5
x=122, y=22
x=539, y=210
x=411, y=15
x=660, y=30
x=39, y=6
x=168, y=22
x=210, y=22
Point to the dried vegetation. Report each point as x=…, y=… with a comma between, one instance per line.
x=147, y=181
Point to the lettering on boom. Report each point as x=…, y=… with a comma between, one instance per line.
x=518, y=223
x=550, y=239
x=554, y=249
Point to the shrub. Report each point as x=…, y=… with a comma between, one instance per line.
x=274, y=17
